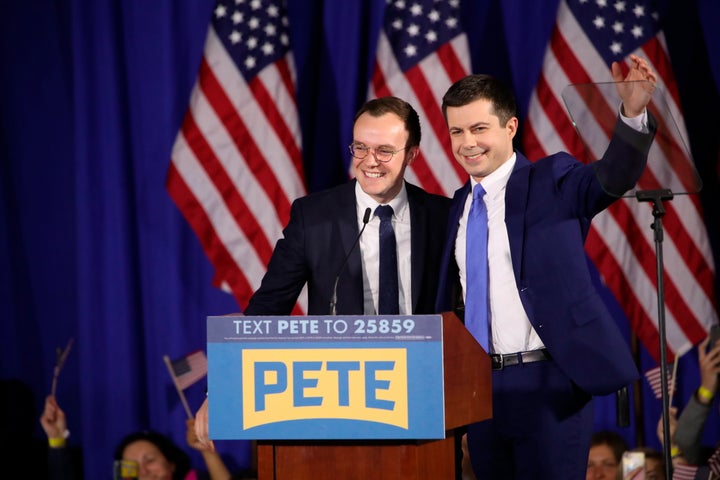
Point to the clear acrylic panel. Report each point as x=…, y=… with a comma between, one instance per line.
x=594, y=109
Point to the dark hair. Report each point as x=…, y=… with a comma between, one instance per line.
x=380, y=106
x=476, y=87
x=650, y=453
x=167, y=447
x=613, y=440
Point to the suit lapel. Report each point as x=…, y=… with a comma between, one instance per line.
x=447, y=283
x=516, y=197
x=347, y=219
x=347, y=225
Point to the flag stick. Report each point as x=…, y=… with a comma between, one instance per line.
x=672, y=380
x=177, y=387
x=58, y=366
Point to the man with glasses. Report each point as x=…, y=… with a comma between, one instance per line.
x=318, y=244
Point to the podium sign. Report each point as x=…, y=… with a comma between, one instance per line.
x=325, y=377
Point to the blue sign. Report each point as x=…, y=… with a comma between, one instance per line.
x=326, y=377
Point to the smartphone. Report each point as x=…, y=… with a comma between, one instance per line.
x=125, y=470
x=714, y=336
x=633, y=463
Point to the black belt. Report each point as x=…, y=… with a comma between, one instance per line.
x=500, y=361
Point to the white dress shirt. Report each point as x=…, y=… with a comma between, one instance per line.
x=370, y=249
x=510, y=328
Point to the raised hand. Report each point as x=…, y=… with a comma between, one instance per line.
x=201, y=426
x=637, y=87
x=53, y=419
x=709, y=361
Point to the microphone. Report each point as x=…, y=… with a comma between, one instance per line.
x=333, y=299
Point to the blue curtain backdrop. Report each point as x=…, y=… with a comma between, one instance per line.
x=91, y=96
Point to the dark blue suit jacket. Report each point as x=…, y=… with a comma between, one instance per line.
x=321, y=232
x=548, y=208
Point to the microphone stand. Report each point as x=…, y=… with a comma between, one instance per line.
x=657, y=197
x=333, y=297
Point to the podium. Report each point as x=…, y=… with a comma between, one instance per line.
x=467, y=390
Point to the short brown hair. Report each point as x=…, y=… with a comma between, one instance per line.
x=476, y=87
x=380, y=106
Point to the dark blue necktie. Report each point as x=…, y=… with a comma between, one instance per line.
x=476, y=280
x=388, y=286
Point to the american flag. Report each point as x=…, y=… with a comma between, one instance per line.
x=421, y=51
x=714, y=463
x=187, y=370
x=587, y=37
x=654, y=378
x=684, y=472
x=236, y=163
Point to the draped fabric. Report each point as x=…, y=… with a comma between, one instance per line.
x=92, y=95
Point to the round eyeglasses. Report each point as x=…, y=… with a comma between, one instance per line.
x=382, y=154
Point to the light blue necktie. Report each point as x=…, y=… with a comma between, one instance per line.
x=476, y=262
x=388, y=303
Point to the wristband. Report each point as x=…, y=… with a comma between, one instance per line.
x=56, y=442
x=705, y=394
x=59, y=442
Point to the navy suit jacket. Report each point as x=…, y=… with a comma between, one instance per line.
x=548, y=208
x=320, y=234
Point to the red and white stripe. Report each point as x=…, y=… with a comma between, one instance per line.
x=236, y=165
x=654, y=379
x=423, y=86
x=684, y=472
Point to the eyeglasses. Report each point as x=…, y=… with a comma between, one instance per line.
x=382, y=154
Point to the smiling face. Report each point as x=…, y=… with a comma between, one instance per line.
x=479, y=142
x=152, y=464
x=601, y=463
x=381, y=180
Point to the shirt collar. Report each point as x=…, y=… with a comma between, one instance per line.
x=399, y=203
x=495, y=183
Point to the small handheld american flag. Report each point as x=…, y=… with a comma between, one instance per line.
x=654, y=378
x=186, y=371
x=714, y=463
x=684, y=472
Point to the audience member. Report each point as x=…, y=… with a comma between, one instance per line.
x=60, y=463
x=691, y=423
x=157, y=456
x=686, y=431
x=215, y=466
x=652, y=469
x=654, y=464
x=606, y=449
x=17, y=433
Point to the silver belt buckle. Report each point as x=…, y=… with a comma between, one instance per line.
x=501, y=362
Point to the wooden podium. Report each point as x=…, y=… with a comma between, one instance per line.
x=467, y=388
